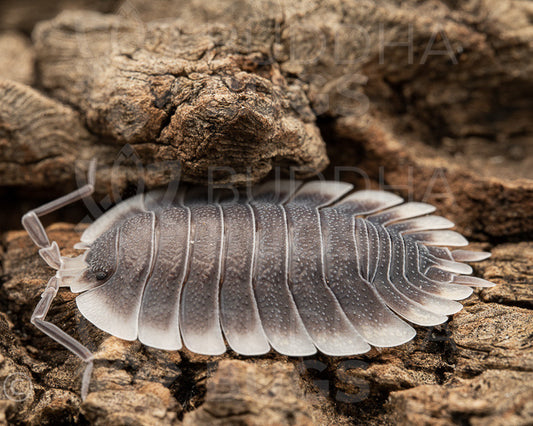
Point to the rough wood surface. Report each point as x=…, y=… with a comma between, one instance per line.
x=432, y=100
x=483, y=207
x=38, y=134
x=179, y=93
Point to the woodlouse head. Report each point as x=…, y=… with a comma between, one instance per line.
x=94, y=267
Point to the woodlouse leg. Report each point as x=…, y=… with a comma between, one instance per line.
x=34, y=227
x=50, y=253
x=51, y=330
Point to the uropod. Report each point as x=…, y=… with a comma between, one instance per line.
x=294, y=267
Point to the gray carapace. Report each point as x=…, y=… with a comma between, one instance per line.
x=295, y=267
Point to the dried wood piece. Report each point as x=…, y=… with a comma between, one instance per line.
x=479, y=206
x=40, y=138
x=16, y=57
x=180, y=94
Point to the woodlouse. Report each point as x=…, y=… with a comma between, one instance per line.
x=296, y=267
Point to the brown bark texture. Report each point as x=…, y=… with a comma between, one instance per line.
x=432, y=100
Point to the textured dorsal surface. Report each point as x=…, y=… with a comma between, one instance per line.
x=292, y=267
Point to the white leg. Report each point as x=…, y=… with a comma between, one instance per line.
x=51, y=330
x=50, y=253
x=34, y=227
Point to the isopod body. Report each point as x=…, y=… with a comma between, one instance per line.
x=291, y=267
x=295, y=269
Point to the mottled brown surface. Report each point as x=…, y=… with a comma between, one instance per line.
x=38, y=131
x=482, y=207
x=179, y=93
x=240, y=88
x=232, y=89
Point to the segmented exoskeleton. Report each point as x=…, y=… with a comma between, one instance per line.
x=294, y=267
